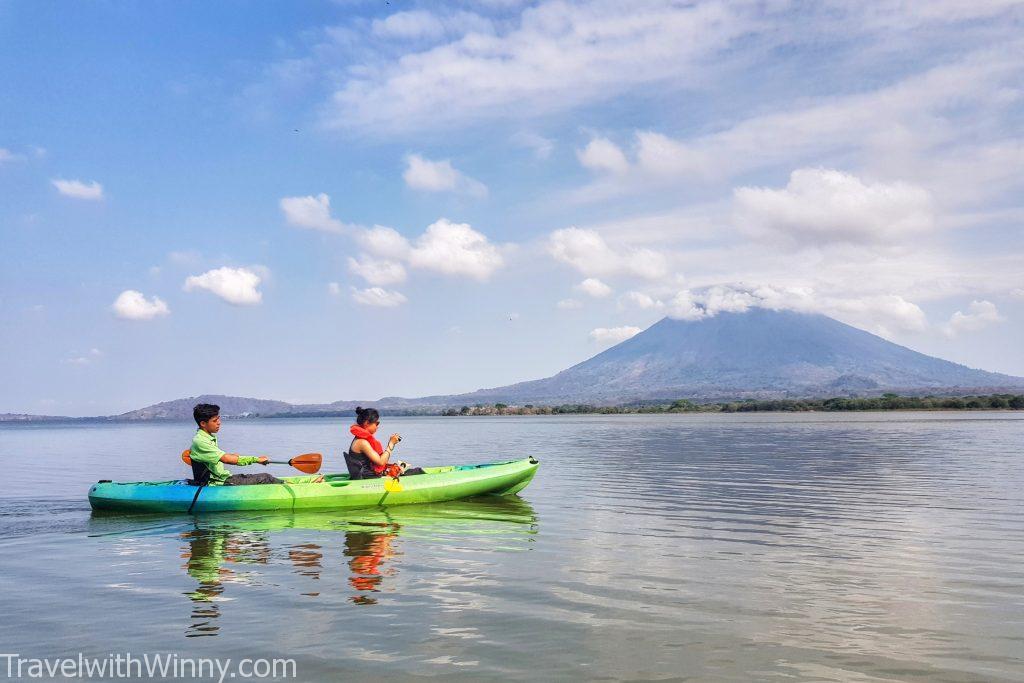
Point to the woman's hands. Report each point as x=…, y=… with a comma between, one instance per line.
x=393, y=441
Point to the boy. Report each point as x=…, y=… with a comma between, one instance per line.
x=206, y=451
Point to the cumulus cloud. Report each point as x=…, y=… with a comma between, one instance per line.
x=821, y=206
x=439, y=176
x=569, y=304
x=589, y=253
x=237, y=286
x=640, y=300
x=133, y=305
x=979, y=315
x=311, y=212
x=377, y=271
x=455, y=249
x=92, y=191
x=594, y=287
x=882, y=314
x=448, y=248
x=607, y=336
x=601, y=154
x=384, y=242
x=377, y=296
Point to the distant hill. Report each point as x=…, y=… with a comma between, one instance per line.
x=758, y=354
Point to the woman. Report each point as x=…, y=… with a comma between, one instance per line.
x=366, y=457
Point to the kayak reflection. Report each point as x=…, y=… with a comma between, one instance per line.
x=224, y=549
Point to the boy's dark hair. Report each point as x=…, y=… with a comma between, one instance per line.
x=367, y=416
x=204, y=412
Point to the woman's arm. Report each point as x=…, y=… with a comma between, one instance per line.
x=363, y=446
x=233, y=459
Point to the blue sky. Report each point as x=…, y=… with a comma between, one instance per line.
x=325, y=200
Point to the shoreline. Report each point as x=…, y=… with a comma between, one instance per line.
x=887, y=403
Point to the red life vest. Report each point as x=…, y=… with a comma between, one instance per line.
x=363, y=433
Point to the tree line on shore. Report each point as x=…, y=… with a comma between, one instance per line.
x=835, y=404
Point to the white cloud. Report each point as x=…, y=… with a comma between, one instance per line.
x=822, y=206
x=334, y=289
x=594, y=287
x=133, y=305
x=409, y=25
x=85, y=358
x=377, y=271
x=569, y=304
x=384, y=242
x=948, y=129
x=439, y=176
x=455, y=249
x=549, y=58
x=1017, y=293
x=423, y=25
x=881, y=314
x=188, y=257
x=613, y=335
x=7, y=155
x=237, y=286
x=445, y=247
x=589, y=253
x=376, y=296
x=602, y=154
x=640, y=300
x=980, y=314
x=311, y=212
x=541, y=146
x=884, y=314
x=683, y=306
x=92, y=191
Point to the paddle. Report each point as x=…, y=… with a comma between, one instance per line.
x=307, y=462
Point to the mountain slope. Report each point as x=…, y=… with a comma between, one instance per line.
x=757, y=353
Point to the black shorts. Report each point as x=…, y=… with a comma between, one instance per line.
x=249, y=479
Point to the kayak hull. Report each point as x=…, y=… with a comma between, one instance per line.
x=337, y=491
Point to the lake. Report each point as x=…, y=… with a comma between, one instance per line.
x=826, y=547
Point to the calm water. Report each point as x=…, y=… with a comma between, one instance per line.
x=810, y=547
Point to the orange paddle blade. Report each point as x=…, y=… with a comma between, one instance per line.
x=307, y=462
x=186, y=456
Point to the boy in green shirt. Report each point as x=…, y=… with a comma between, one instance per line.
x=205, y=450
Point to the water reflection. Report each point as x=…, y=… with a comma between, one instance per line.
x=210, y=554
x=352, y=554
x=368, y=551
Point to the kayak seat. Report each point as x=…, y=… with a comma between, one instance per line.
x=200, y=475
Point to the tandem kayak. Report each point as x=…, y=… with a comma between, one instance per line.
x=437, y=484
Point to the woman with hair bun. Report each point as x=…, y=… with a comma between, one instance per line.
x=366, y=458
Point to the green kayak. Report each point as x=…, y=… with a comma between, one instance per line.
x=437, y=484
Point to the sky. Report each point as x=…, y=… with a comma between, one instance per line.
x=318, y=201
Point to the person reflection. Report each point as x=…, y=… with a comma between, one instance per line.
x=369, y=550
x=206, y=553
x=306, y=558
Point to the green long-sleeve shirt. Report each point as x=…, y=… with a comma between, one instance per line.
x=205, y=450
